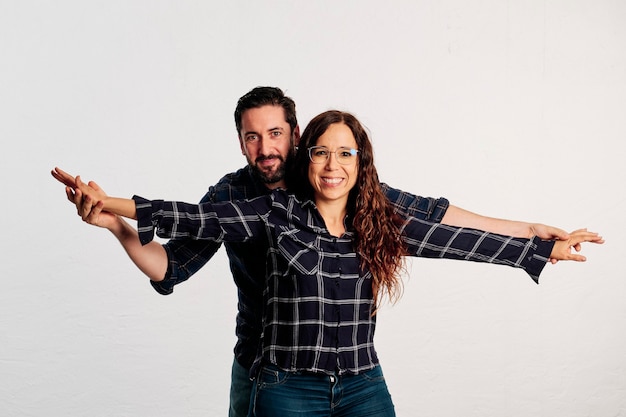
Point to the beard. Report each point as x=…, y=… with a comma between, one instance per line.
x=272, y=175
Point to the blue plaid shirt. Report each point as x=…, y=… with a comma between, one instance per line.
x=248, y=261
x=317, y=301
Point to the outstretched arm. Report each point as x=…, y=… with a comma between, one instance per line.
x=435, y=240
x=227, y=221
x=456, y=216
x=440, y=211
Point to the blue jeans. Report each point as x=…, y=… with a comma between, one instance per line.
x=240, y=391
x=301, y=394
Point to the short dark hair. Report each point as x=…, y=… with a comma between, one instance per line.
x=266, y=96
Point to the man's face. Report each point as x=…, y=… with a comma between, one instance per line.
x=266, y=141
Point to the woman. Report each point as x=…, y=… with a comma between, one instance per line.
x=335, y=249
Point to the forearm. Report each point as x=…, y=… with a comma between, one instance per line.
x=124, y=207
x=151, y=258
x=456, y=216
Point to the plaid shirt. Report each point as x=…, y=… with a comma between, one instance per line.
x=248, y=260
x=318, y=302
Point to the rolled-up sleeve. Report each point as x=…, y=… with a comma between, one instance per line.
x=144, y=219
x=424, y=208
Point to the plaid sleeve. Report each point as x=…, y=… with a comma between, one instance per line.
x=425, y=208
x=228, y=221
x=144, y=219
x=434, y=240
x=185, y=257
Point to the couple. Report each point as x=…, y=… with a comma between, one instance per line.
x=319, y=298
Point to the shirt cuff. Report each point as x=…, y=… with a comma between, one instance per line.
x=166, y=285
x=536, y=261
x=440, y=209
x=145, y=228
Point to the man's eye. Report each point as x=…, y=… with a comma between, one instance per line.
x=276, y=133
x=251, y=138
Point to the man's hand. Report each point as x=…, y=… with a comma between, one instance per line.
x=546, y=232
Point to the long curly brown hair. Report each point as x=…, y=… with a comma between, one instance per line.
x=377, y=227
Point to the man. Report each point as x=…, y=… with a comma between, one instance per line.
x=268, y=132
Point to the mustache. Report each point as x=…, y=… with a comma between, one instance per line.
x=268, y=157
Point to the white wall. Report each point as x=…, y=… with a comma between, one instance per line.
x=508, y=108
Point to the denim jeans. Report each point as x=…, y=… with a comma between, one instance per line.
x=301, y=394
x=240, y=391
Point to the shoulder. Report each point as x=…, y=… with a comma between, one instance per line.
x=288, y=201
x=238, y=185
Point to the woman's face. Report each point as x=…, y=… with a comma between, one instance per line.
x=332, y=180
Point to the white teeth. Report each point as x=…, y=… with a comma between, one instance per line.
x=331, y=180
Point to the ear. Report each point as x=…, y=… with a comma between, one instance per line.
x=296, y=135
x=241, y=146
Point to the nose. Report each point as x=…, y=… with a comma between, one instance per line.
x=332, y=162
x=265, y=146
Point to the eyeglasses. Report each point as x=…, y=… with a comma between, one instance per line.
x=344, y=155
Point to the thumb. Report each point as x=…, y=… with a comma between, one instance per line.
x=95, y=186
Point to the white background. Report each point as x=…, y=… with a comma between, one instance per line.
x=512, y=109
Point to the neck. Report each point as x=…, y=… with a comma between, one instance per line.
x=334, y=214
x=275, y=185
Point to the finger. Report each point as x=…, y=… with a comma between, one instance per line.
x=593, y=238
x=63, y=180
x=96, y=210
x=78, y=197
x=86, y=207
x=80, y=184
x=70, y=194
x=576, y=257
x=78, y=201
x=94, y=213
x=93, y=185
x=560, y=234
x=73, y=196
x=63, y=177
x=597, y=239
x=584, y=236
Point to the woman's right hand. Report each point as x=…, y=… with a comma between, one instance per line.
x=562, y=249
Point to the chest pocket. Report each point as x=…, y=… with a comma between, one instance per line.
x=299, y=250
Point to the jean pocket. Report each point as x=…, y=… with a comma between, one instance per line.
x=271, y=375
